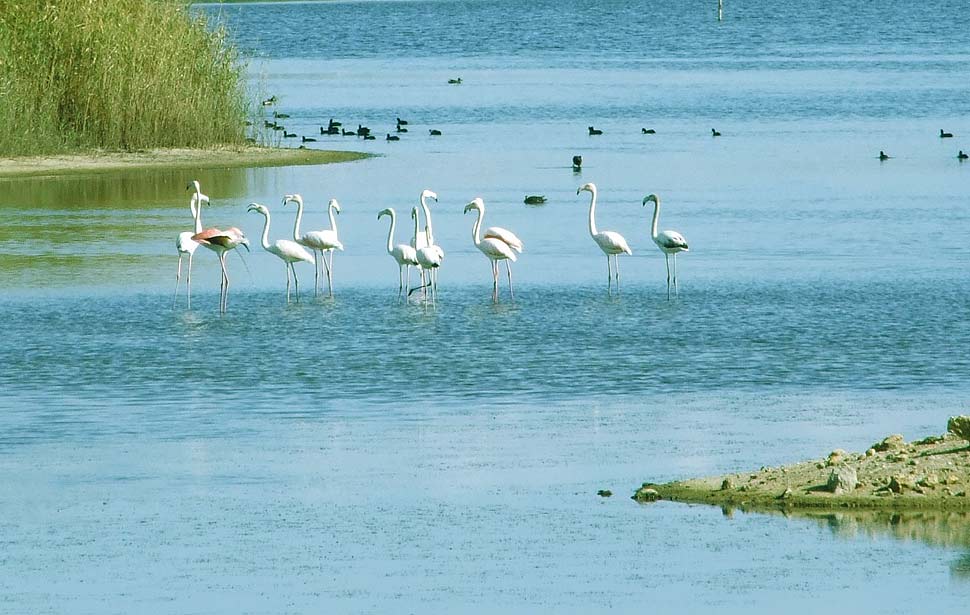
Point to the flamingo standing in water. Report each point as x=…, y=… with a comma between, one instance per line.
x=318, y=241
x=185, y=245
x=429, y=257
x=669, y=242
x=425, y=238
x=221, y=242
x=404, y=254
x=288, y=251
x=610, y=242
x=499, y=244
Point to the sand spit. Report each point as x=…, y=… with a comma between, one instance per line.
x=928, y=474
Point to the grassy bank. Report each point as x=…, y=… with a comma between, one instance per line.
x=177, y=158
x=116, y=75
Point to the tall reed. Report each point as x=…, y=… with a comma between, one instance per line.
x=117, y=75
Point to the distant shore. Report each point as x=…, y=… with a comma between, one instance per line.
x=929, y=474
x=225, y=157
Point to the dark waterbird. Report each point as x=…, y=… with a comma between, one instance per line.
x=434, y=132
x=535, y=199
x=594, y=131
x=281, y=116
x=455, y=81
x=715, y=133
x=648, y=131
x=333, y=124
x=270, y=101
x=309, y=140
x=391, y=137
x=330, y=130
x=577, y=163
x=349, y=133
x=362, y=131
x=369, y=137
x=401, y=128
x=401, y=122
x=883, y=155
x=945, y=135
x=288, y=135
x=961, y=155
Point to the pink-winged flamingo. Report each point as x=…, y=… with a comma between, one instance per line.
x=185, y=245
x=405, y=255
x=221, y=242
x=322, y=241
x=289, y=252
x=610, y=242
x=669, y=242
x=429, y=258
x=498, y=244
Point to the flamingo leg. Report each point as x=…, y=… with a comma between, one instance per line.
x=286, y=267
x=609, y=274
x=296, y=280
x=508, y=267
x=330, y=273
x=224, y=297
x=316, y=274
x=616, y=269
x=188, y=283
x=494, y=281
x=676, y=289
x=178, y=276
x=667, y=259
x=407, y=280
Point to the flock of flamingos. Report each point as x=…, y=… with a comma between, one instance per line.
x=317, y=247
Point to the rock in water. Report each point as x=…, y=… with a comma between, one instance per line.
x=842, y=480
x=959, y=426
x=604, y=493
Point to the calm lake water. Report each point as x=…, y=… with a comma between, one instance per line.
x=364, y=455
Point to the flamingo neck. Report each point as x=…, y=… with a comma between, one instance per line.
x=390, y=235
x=478, y=225
x=416, y=229
x=265, y=238
x=299, y=217
x=196, y=206
x=427, y=221
x=592, y=213
x=333, y=220
x=656, y=218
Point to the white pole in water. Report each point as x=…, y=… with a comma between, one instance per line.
x=720, y=10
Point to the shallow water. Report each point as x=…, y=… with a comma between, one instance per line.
x=363, y=454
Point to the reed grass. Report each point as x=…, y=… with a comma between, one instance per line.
x=125, y=75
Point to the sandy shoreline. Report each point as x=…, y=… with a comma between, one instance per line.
x=929, y=474
x=225, y=157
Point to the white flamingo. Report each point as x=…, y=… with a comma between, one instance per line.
x=185, y=245
x=429, y=258
x=404, y=254
x=289, y=252
x=498, y=244
x=318, y=241
x=610, y=242
x=425, y=238
x=669, y=242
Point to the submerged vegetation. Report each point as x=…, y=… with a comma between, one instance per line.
x=116, y=75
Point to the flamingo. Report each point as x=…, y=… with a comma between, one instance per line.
x=318, y=241
x=426, y=238
x=404, y=254
x=185, y=245
x=610, y=242
x=288, y=251
x=499, y=244
x=221, y=242
x=428, y=257
x=669, y=242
